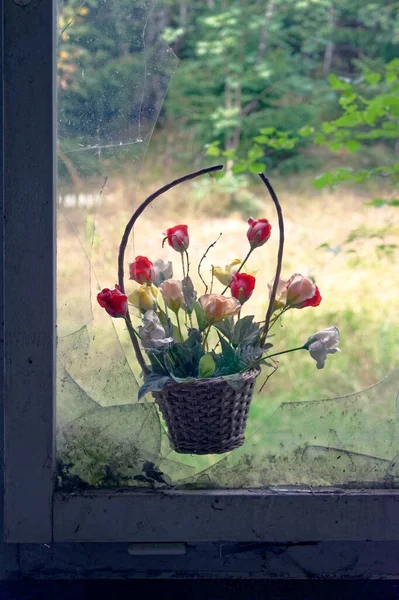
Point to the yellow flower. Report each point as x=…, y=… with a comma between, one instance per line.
x=216, y=307
x=144, y=298
x=224, y=275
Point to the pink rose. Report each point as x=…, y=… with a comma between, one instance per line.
x=302, y=292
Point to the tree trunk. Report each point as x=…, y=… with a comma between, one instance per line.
x=329, y=51
x=183, y=14
x=265, y=30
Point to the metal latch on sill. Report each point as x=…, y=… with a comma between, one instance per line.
x=157, y=549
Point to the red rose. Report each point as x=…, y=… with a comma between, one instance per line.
x=259, y=232
x=114, y=302
x=141, y=270
x=242, y=286
x=178, y=237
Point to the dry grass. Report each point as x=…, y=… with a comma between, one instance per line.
x=359, y=289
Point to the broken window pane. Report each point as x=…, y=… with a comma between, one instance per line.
x=114, y=72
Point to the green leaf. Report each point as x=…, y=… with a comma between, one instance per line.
x=226, y=327
x=319, y=138
x=206, y=367
x=352, y=145
x=372, y=77
x=255, y=152
x=227, y=350
x=157, y=360
x=391, y=77
x=267, y=130
x=257, y=168
x=338, y=84
x=213, y=149
x=231, y=154
x=261, y=139
x=349, y=120
x=379, y=202
x=240, y=167
x=306, y=131
x=199, y=313
x=328, y=128
x=153, y=383
x=245, y=331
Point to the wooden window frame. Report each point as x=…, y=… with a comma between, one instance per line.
x=34, y=512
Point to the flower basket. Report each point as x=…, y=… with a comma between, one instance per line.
x=203, y=354
x=207, y=416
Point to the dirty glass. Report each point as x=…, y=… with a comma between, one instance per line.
x=332, y=427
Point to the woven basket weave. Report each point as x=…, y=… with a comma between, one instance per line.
x=207, y=416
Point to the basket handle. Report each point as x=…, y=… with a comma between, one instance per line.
x=125, y=238
x=273, y=196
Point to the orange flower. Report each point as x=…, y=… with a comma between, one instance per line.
x=216, y=307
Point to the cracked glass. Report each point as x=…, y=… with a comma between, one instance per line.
x=114, y=71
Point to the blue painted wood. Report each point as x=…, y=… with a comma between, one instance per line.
x=29, y=286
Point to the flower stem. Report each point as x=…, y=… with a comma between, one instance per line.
x=285, y=351
x=271, y=356
x=206, y=337
x=178, y=325
x=239, y=269
x=184, y=287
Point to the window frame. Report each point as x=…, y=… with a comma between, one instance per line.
x=34, y=512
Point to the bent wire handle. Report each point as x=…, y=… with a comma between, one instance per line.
x=125, y=238
x=273, y=195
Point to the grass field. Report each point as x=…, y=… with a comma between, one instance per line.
x=358, y=284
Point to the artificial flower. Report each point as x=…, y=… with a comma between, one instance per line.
x=161, y=271
x=217, y=307
x=302, y=292
x=141, y=269
x=152, y=334
x=323, y=343
x=242, y=285
x=259, y=232
x=178, y=237
x=281, y=293
x=114, y=302
x=144, y=298
x=172, y=292
x=224, y=275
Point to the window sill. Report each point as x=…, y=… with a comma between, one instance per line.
x=280, y=515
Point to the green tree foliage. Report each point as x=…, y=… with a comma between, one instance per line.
x=249, y=70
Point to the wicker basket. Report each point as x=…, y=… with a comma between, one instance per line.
x=207, y=416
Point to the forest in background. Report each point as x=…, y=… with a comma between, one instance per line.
x=259, y=82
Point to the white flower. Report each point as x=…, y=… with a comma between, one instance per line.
x=172, y=292
x=152, y=335
x=150, y=316
x=322, y=343
x=161, y=271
